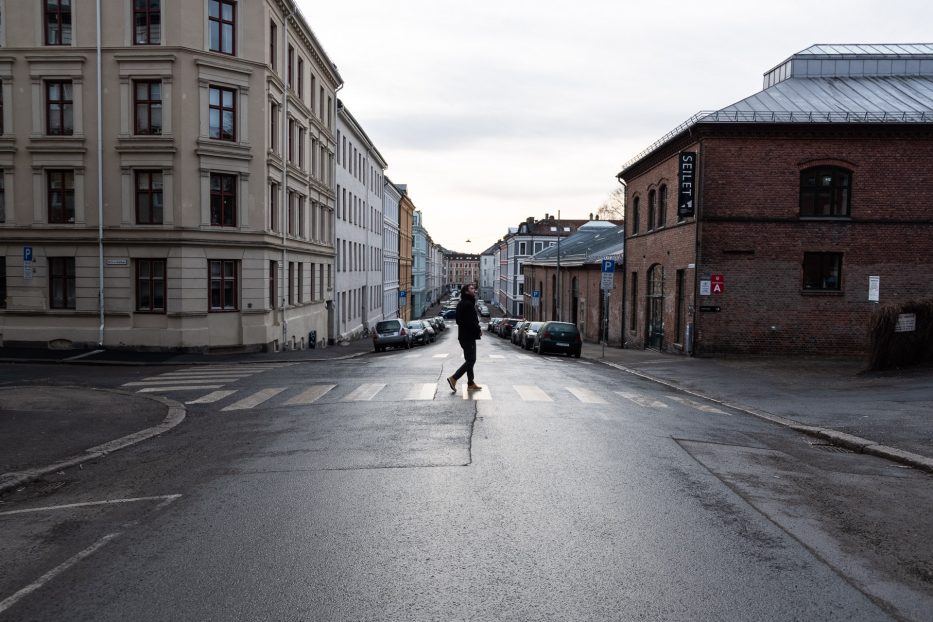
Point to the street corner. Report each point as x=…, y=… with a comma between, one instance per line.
x=44, y=427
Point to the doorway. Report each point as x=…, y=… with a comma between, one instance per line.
x=655, y=309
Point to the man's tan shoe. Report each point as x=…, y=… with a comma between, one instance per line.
x=474, y=387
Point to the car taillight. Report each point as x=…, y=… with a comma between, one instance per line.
x=545, y=335
x=403, y=333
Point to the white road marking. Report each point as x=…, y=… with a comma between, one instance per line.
x=84, y=504
x=180, y=388
x=476, y=396
x=54, y=572
x=204, y=374
x=586, y=396
x=698, y=405
x=255, y=399
x=178, y=381
x=364, y=393
x=584, y=362
x=311, y=394
x=423, y=391
x=441, y=356
x=532, y=393
x=210, y=398
x=496, y=356
x=645, y=402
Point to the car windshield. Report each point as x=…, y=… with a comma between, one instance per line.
x=387, y=327
x=562, y=329
x=535, y=326
x=415, y=324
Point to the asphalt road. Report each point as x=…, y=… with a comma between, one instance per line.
x=366, y=490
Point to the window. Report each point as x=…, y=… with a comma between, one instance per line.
x=636, y=215
x=221, y=17
x=301, y=148
x=273, y=271
x=290, y=66
x=1, y=107
x=824, y=191
x=147, y=98
x=2, y=197
x=222, y=113
x=822, y=271
x=291, y=282
x=150, y=285
x=679, y=335
x=301, y=81
x=61, y=282
x=147, y=22
x=273, y=128
x=223, y=200
x=662, y=206
x=633, y=311
x=521, y=248
x=301, y=282
x=2, y=282
x=273, y=38
x=59, y=108
x=223, y=294
x=273, y=205
x=60, y=187
x=652, y=208
x=57, y=22
x=149, y=197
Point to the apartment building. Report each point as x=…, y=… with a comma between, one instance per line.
x=198, y=212
x=360, y=227
x=390, y=250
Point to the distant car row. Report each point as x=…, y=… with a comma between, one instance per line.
x=540, y=337
x=396, y=333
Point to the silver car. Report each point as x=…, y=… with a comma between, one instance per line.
x=391, y=334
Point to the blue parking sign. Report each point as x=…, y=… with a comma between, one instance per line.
x=609, y=265
x=27, y=254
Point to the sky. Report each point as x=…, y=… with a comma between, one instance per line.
x=495, y=111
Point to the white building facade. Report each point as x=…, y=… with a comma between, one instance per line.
x=360, y=228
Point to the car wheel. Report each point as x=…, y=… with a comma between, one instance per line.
x=576, y=354
x=540, y=350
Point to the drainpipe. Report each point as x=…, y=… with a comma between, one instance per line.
x=100, y=188
x=558, y=267
x=283, y=221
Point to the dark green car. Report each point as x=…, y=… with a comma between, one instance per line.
x=562, y=337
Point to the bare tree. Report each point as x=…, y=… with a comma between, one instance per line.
x=613, y=208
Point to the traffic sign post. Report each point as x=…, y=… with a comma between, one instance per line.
x=27, y=263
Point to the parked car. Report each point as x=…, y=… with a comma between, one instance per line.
x=517, y=331
x=391, y=334
x=419, y=333
x=437, y=323
x=529, y=332
x=506, y=325
x=484, y=311
x=449, y=314
x=493, y=325
x=559, y=337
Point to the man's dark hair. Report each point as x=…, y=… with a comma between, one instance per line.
x=465, y=289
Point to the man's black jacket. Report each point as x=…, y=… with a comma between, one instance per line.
x=467, y=321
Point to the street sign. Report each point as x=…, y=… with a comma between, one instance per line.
x=607, y=281
x=717, y=283
x=401, y=297
x=609, y=265
x=704, y=287
x=874, y=288
x=536, y=293
x=27, y=254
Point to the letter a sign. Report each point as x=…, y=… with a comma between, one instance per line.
x=717, y=284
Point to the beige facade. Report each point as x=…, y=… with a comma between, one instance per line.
x=406, y=219
x=203, y=246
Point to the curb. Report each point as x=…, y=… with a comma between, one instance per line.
x=842, y=439
x=176, y=414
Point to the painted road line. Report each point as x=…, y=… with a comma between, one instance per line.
x=85, y=504
x=496, y=356
x=698, y=405
x=364, y=393
x=441, y=356
x=54, y=572
x=422, y=391
x=255, y=399
x=586, y=396
x=180, y=388
x=311, y=394
x=157, y=383
x=532, y=393
x=206, y=374
x=210, y=398
x=644, y=402
x=476, y=396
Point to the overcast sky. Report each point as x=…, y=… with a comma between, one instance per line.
x=496, y=110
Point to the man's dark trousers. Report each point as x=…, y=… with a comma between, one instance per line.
x=469, y=358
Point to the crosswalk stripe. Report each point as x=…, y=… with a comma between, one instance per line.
x=441, y=356
x=175, y=381
x=180, y=388
x=698, y=405
x=210, y=398
x=311, y=394
x=364, y=392
x=255, y=399
x=532, y=393
x=496, y=356
x=641, y=400
x=205, y=374
x=423, y=391
x=586, y=396
x=477, y=396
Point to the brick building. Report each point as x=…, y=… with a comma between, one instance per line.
x=759, y=227
x=462, y=268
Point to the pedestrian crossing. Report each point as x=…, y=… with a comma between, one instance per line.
x=208, y=385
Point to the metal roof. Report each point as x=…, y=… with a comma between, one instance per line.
x=592, y=242
x=883, y=83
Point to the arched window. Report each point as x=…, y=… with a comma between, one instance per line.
x=662, y=206
x=825, y=191
x=636, y=216
x=652, y=208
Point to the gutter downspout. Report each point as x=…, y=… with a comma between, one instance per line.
x=624, y=268
x=100, y=189
x=283, y=221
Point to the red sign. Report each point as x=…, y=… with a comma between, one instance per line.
x=717, y=284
